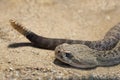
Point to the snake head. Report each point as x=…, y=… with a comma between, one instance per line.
x=76, y=55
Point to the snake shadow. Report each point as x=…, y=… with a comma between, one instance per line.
x=23, y=44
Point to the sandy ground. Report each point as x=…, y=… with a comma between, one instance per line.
x=71, y=19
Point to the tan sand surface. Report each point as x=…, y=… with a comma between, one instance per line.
x=71, y=19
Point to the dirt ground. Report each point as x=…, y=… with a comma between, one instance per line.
x=71, y=19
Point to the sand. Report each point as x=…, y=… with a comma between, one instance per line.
x=70, y=19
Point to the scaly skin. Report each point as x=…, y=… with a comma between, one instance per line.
x=81, y=56
x=110, y=40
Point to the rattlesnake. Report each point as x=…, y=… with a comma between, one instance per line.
x=79, y=53
x=108, y=42
x=81, y=56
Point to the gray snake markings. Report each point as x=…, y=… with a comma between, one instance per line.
x=79, y=53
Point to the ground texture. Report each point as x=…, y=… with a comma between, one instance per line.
x=71, y=19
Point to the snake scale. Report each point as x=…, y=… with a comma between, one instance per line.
x=79, y=53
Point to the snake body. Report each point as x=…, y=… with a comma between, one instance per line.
x=108, y=42
x=79, y=53
x=81, y=56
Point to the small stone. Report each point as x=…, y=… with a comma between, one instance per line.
x=108, y=17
